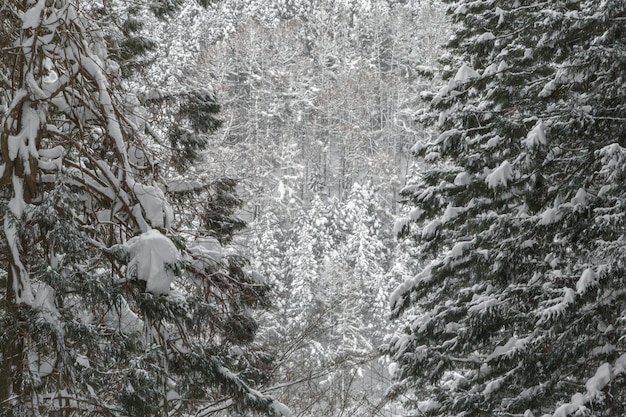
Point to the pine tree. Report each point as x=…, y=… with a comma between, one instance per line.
x=366, y=250
x=518, y=309
x=110, y=305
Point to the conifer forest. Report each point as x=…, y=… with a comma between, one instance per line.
x=313, y=208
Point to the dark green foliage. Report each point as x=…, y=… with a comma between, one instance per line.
x=185, y=144
x=140, y=395
x=200, y=109
x=219, y=208
x=240, y=329
x=127, y=45
x=519, y=217
x=190, y=116
x=193, y=122
x=156, y=308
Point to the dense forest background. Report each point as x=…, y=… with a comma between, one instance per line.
x=319, y=104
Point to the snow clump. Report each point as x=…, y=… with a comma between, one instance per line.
x=153, y=258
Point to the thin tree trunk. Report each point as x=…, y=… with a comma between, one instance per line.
x=12, y=364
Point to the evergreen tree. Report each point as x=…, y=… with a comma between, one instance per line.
x=111, y=303
x=366, y=250
x=519, y=306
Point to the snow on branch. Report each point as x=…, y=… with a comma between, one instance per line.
x=152, y=258
x=400, y=296
x=613, y=159
x=500, y=176
x=536, y=137
x=604, y=375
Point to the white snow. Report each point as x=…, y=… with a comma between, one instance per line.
x=207, y=248
x=82, y=360
x=490, y=70
x=556, y=310
x=566, y=410
x=487, y=36
x=502, y=66
x=44, y=298
x=156, y=209
x=40, y=367
x=398, y=295
x=172, y=395
x=459, y=248
x=281, y=409
x=500, y=176
x=548, y=89
x=21, y=282
x=500, y=13
x=620, y=365
x=453, y=380
x=551, y=215
x=392, y=369
x=123, y=318
x=428, y=406
x=52, y=153
x=528, y=53
x=32, y=17
x=462, y=178
x=461, y=9
x=482, y=303
x=588, y=279
x=444, y=136
x=511, y=345
x=613, y=159
x=416, y=214
x=465, y=73
x=93, y=65
x=536, y=137
x=36, y=91
x=451, y=213
x=136, y=156
x=152, y=257
x=581, y=198
x=493, y=386
x=429, y=230
x=596, y=383
x=24, y=143
x=493, y=142
x=568, y=296
x=443, y=116
x=443, y=91
x=432, y=156
x=51, y=159
x=258, y=278
x=578, y=399
x=179, y=186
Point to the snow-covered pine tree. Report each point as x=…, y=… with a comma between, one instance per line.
x=519, y=308
x=108, y=306
x=366, y=251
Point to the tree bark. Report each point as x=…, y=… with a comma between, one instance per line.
x=12, y=363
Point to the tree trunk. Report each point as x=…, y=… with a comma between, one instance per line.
x=12, y=362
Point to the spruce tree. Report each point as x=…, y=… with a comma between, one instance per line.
x=117, y=299
x=518, y=308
